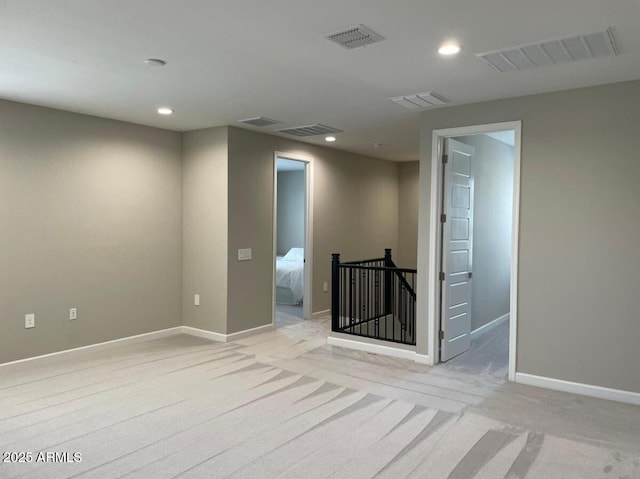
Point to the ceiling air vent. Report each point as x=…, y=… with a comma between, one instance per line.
x=420, y=100
x=310, y=130
x=552, y=52
x=259, y=121
x=355, y=37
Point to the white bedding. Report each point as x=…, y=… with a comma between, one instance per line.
x=290, y=277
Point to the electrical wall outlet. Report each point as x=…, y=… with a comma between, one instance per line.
x=29, y=321
x=73, y=313
x=196, y=299
x=325, y=287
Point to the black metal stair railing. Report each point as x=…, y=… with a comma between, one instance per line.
x=373, y=298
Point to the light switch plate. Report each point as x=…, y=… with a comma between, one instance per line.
x=196, y=300
x=29, y=321
x=244, y=254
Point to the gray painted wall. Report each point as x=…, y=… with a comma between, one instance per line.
x=579, y=226
x=492, y=209
x=91, y=218
x=290, y=211
x=407, y=254
x=355, y=214
x=205, y=215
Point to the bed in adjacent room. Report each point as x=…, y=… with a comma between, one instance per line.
x=290, y=277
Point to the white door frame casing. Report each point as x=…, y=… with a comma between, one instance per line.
x=308, y=231
x=433, y=282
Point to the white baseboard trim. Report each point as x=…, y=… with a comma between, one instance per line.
x=423, y=359
x=485, y=328
x=202, y=333
x=106, y=344
x=579, y=388
x=379, y=349
x=321, y=314
x=250, y=332
x=225, y=338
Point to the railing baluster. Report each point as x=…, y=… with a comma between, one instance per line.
x=336, y=291
x=351, y=299
x=343, y=299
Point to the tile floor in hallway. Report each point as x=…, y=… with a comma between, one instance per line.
x=285, y=404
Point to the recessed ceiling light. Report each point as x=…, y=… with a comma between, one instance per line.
x=449, y=49
x=165, y=110
x=155, y=62
x=330, y=139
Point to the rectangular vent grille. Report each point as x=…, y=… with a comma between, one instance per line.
x=260, y=121
x=310, y=130
x=420, y=100
x=355, y=37
x=552, y=52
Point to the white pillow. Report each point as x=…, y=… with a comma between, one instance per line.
x=294, y=254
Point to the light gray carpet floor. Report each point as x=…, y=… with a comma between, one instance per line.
x=288, y=315
x=489, y=354
x=285, y=405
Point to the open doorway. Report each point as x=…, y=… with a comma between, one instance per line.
x=292, y=245
x=475, y=288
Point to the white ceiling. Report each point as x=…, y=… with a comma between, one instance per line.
x=230, y=59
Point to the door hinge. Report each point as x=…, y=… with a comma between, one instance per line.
x=442, y=276
x=443, y=218
x=441, y=335
x=445, y=159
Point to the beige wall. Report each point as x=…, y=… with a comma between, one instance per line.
x=127, y=223
x=205, y=216
x=407, y=254
x=579, y=226
x=492, y=168
x=355, y=214
x=91, y=218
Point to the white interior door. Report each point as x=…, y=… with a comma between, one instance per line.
x=306, y=302
x=457, y=248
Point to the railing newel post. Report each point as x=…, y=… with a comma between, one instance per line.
x=388, y=263
x=335, y=291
